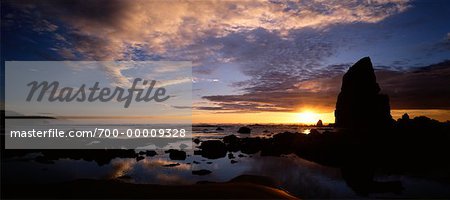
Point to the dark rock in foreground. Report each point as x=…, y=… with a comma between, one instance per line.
x=230, y=139
x=251, y=145
x=314, y=132
x=232, y=142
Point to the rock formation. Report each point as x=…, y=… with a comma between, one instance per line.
x=244, y=130
x=359, y=104
x=319, y=123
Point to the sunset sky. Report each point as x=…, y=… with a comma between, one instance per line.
x=253, y=61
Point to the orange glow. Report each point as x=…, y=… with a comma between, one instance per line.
x=262, y=117
x=308, y=116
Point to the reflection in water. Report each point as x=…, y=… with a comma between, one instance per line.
x=293, y=174
x=298, y=176
x=121, y=167
x=301, y=177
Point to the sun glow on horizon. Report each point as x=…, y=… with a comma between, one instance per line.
x=308, y=117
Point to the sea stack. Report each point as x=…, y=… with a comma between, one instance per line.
x=319, y=123
x=359, y=104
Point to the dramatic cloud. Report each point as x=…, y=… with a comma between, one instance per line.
x=423, y=88
x=256, y=34
x=319, y=94
x=110, y=29
x=205, y=32
x=274, y=63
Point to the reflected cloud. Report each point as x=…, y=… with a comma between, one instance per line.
x=151, y=164
x=302, y=177
x=121, y=167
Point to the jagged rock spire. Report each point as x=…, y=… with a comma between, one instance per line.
x=359, y=104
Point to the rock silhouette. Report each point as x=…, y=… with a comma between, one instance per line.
x=359, y=104
x=244, y=130
x=176, y=154
x=213, y=149
x=319, y=123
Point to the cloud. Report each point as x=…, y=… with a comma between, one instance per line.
x=204, y=32
x=441, y=46
x=319, y=94
x=182, y=107
x=44, y=26
x=279, y=45
x=106, y=29
x=422, y=88
x=175, y=81
x=275, y=63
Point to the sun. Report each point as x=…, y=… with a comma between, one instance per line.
x=308, y=117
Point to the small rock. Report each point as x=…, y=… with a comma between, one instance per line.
x=176, y=154
x=150, y=153
x=196, y=141
x=213, y=149
x=232, y=142
x=172, y=165
x=244, y=130
x=319, y=123
x=139, y=158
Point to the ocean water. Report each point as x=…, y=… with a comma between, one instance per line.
x=210, y=131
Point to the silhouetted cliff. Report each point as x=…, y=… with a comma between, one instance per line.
x=359, y=104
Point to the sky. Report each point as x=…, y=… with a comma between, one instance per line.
x=252, y=61
x=75, y=78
